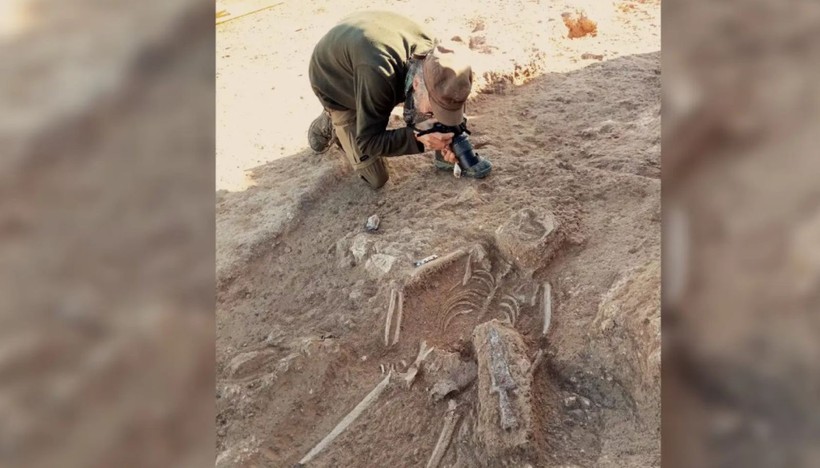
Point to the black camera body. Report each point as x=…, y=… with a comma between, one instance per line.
x=461, y=145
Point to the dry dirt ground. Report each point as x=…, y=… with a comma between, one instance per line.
x=572, y=207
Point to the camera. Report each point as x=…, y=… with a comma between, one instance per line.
x=461, y=145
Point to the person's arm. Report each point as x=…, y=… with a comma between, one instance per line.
x=375, y=100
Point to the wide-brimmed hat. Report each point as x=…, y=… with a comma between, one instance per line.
x=448, y=79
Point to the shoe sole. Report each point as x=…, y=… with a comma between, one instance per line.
x=444, y=166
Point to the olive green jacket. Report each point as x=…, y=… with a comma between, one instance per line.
x=361, y=65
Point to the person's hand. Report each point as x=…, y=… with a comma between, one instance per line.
x=436, y=141
x=449, y=155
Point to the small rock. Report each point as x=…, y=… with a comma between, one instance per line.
x=355, y=294
x=372, y=223
x=588, y=56
x=571, y=402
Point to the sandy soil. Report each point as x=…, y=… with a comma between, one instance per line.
x=573, y=201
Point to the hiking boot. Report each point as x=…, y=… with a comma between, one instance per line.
x=477, y=171
x=320, y=134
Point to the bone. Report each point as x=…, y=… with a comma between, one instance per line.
x=468, y=271
x=400, y=307
x=507, y=317
x=452, y=317
x=547, y=308
x=446, y=435
x=411, y=373
x=348, y=420
x=461, y=296
x=536, y=362
x=389, y=317
x=485, y=277
x=509, y=312
x=428, y=268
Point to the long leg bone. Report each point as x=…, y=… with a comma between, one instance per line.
x=400, y=306
x=389, y=317
x=547, y=308
x=347, y=420
x=446, y=435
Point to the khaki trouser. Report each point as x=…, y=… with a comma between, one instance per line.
x=371, y=168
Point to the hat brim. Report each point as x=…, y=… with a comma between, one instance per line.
x=447, y=117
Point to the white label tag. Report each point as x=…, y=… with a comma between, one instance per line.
x=456, y=170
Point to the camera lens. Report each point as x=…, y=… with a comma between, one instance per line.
x=464, y=151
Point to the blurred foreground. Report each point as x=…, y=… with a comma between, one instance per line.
x=106, y=228
x=741, y=234
x=106, y=222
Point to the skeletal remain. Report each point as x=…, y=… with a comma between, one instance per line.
x=507, y=317
x=534, y=297
x=348, y=419
x=437, y=264
x=446, y=435
x=411, y=373
x=485, y=277
x=502, y=381
x=512, y=303
x=509, y=312
x=389, y=317
x=381, y=367
x=400, y=306
x=547, y=308
x=536, y=362
x=462, y=295
x=468, y=271
x=450, y=318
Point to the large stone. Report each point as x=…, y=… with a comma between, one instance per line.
x=379, y=265
x=529, y=239
x=446, y=373
x=504, y=389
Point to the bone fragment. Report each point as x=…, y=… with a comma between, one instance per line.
x=347, y=420
x=411, y=373
x=389, y=317
x=547, y=308
x=436, y=265
x=509, y=312
x=536, y=362
x=446, y=435
x=468, y=271
x=400, y=306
